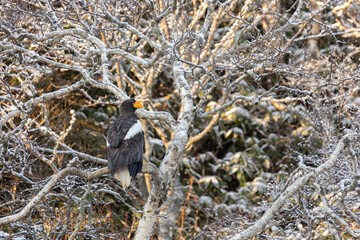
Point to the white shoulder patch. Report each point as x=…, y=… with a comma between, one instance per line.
x=135, y=129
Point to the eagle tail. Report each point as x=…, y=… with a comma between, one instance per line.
x=123, y=175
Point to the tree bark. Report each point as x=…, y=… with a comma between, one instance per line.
x=260, y=224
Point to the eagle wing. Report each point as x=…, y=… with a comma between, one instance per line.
x=125, y=152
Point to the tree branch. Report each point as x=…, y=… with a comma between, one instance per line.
x=51, y=183
x=43, y=98
x=260, y=224
x=173, y=154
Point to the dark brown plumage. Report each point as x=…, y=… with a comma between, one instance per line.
x=125, y=141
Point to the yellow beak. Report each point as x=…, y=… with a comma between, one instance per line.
x=137, y=105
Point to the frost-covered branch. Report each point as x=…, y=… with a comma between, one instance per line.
x=43, y=98
x=233, y=99
x=107, y=86
x=333, y=215
x=260, y=224
x=81, y=216
x=50, y=184
x=173, y=154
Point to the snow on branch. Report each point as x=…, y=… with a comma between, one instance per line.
x=50, y=184
x=107, y=85
x=224, y=73
x=43, y=98
x=260, y=224
x=172, y=157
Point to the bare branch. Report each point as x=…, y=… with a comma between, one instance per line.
x=51, y=183
x=260, y=224
x=43, y=98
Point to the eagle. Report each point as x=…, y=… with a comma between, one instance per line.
x=125, y=144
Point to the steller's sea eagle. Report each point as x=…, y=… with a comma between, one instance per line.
x=125, y=144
